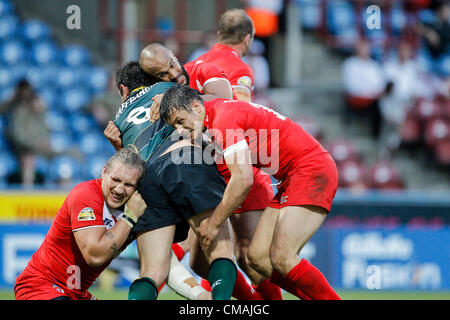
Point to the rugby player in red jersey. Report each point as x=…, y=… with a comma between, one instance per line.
x=236, y=34
x=91, y=228
x=253, y=135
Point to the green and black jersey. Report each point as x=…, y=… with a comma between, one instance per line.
x=133, y=121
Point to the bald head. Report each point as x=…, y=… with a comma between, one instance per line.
x=159, y=62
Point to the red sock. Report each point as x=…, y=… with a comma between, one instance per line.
x=243, y=290
x=310, y=282
x=278, y=279
x=205, y=285
x=268, y=290
x=179, y=252
x=161, y=286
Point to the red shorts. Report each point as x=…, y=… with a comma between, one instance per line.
x=308, y=182
x=35, y=287
x=260, y=194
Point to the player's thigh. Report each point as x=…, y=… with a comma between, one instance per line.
x=222, y=245
x=244, y=225
x=154, y=248
x=197, y=260
x=294, y=227
x=262, y=236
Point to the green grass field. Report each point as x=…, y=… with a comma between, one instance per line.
x=167, y=294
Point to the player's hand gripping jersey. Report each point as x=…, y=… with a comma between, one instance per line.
x=133, y=120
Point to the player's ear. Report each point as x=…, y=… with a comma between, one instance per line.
x=197, y=106
x=124, y=92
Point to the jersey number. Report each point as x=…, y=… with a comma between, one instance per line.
x=139, y=115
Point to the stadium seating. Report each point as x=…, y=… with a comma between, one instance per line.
x=310, y=126
x=383, y=175
x=93, y=167
x=63, y=168
x=352, y=174
x=342, y=150
x=8, y=164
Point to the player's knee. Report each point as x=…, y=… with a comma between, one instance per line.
x=158, y=275
x=280, y=260
x=255, y=258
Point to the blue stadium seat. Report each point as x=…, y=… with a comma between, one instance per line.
x=398, y=19
x=7, y=93
x=426, y=16
x=35, y=30
x=8, y=164
x=49, y=96
x=66, y=78
x=340, y=16
x=93, y=167
x=98, y=79
x=94, y=143
x=74, y=99
x=3, y=142
x=9, y=27
x=310, y=13
x=80, y=123
x=6, y=7
x=443, y=66
x=44, y=53
x=64, y=167
x=43, y=165
x=56, y=121
x=75, y=56
x=12, y=52
x=36, y=77
x=6, y=77
x=61, y=142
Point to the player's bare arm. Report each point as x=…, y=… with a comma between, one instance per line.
x=239, y=164
x=243, y=93
x=112, y=133
x=218, y=88
x=98, y=245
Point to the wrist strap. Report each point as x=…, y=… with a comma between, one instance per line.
x=128, y=220
x=130, y=214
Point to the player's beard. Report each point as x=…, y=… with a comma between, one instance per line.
x=185, y=74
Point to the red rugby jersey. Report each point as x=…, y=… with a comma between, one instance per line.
x=59, y=258
x=200, y=73
x=273, y=140
x=237, y=71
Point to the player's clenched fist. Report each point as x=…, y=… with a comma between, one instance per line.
x=136, y=204
x=112, y=133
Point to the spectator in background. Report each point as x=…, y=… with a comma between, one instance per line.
x=403, y=86
x=364, y=84
x=437, y=33
x=209, y=38
x=27, y=133
x=104, y=107
x=260, y=66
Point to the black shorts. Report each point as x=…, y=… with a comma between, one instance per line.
x=177, y=186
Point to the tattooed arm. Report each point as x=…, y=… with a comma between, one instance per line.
x=98, y=245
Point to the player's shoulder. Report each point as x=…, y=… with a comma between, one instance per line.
x=91, y=189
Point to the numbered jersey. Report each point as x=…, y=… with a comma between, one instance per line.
x=133, y=121
x=273, y=139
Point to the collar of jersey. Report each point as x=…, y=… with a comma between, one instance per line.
x=137, y=89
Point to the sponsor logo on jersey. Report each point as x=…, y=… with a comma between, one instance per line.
x=245, y=81
x=284, y=199
x=87, y=214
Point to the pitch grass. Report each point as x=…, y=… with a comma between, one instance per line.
x=168, y=294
